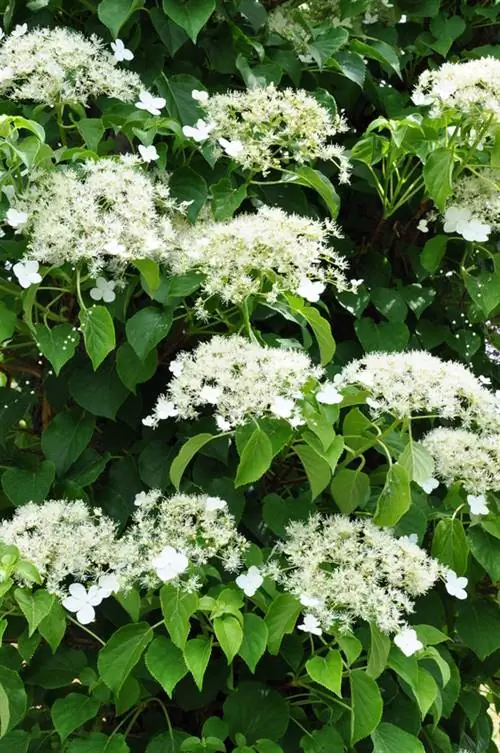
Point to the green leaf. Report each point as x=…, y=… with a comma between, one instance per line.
x=417, y=461
x=97, y=742
x=34, y=605
x=380, y=646
x=255, y=459
x=150, y=271
x=322, y=332
x=114, y=13
x=53, y=626
x=66, y=437
x=352, y=66
x=31, y=484
x=280, y=620
x=255, y=638
x=121, y=653
x=327, y=671
x=380, y=51
x=177, y=608
x=449, y=545
x=350, y=490
x=191, y=15
x=13, y=700
x=166, y=663
x=317, y=469
x=181, y=104
x=15, y=742
x=366, y=705
x=8, y=320
x=98, y=333
x=390, y=337
x=197, y=655
x=101, y=393
x=395, y=499
x=486, y=551
x=226, y=199
x=478, y=625
x=147, y=328
x=92, y=131
x=187, y=185
x=257, y=712
x=308, y=176
x=390, y=303
x=390, y=739
x=185, y=455
x=131, y=370
x=438, y=171
x=71, y=712
x=484, y=289
x=229, y=633
x=58, y=344
x=433, y=252
x=323, y=47
x=418, y=298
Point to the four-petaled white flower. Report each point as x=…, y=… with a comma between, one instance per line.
x=407, y=641
x=148, y=153
x=19, y=31
x=310, y=624
x=232, y=148
x=250, y=581
x=153, y=105
x=141, y=498
x=199, y=132
x=310, y=290
x=83, y=602
x=429, y=485
x=213, y=504
x=455, y=585
x=412, y=538
x=329, y=394
x=104, y=290
x=16, y=219
x=199, y=95
x=477, y=504
x=209, y=394
x=282, y=407
x=27, y=273
x=108, y=584
x=311, y=601
x=423, y=226
x=460, y=220
x=120, y=52
x=170, y=563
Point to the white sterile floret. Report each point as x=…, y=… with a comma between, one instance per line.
x=423, y=226
x=120, y=52
x=169, y=537
x=82, y=602
x=407, y=641
x=106, y=213
x=355, y=571
x=55, y=66
x=429, y=485
x=245, y=378
x=27, y=273
x=329, y=394
x=232, y=148
x=104, y=290
x=108, y=584
x=16, y=219
x=250, y=581
x=310, y=290
x=470, y=459
x=62, y=539
x=150, y=103
x=266, y=253
x=413, y=383
x=275, y=128
x=199, y=95
x=469, y=88
x=199, y=132
x=148, y=153
x=473, y=209
x=310, y=624
x=455, y=585
x=477, y=504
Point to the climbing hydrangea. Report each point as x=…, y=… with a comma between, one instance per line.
x=57, y=66
x=473, y=210
x=471, y=459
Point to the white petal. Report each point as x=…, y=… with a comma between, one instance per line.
x=86, y=614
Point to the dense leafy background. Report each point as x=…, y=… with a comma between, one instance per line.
x=74, y=429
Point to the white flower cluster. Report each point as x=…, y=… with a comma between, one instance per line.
x=265, y=129
x=55, y=66
x=413, y=383
x=473, y=210
x=62, y=539
x=167, y=536
x=471, y=88
x=106, y=213
x=346, y=570
x=237, y=380
x=267, y=253
x=461, y=456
